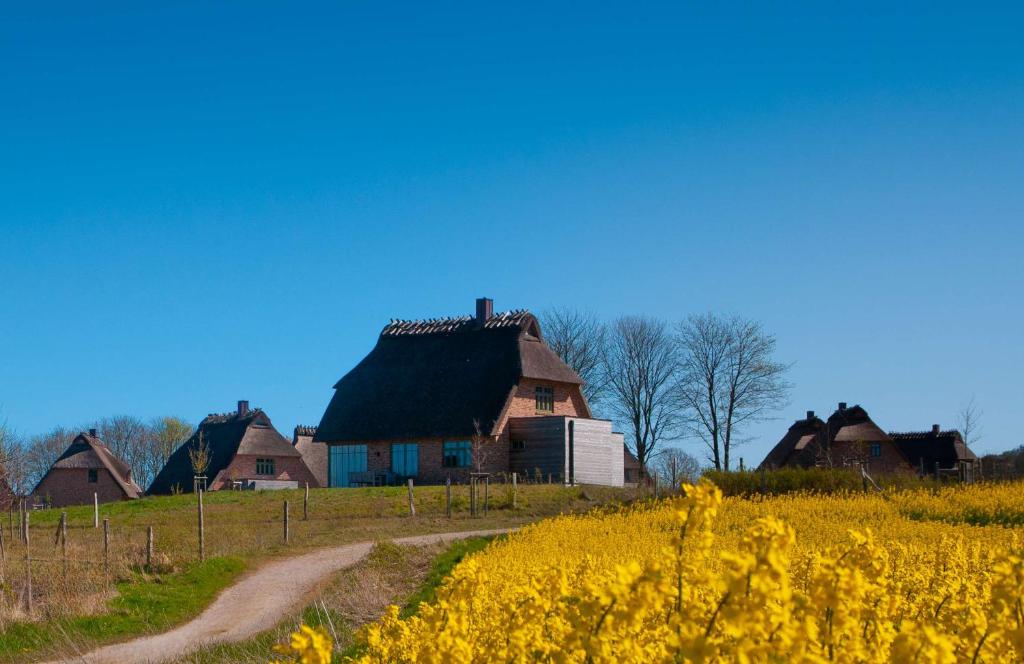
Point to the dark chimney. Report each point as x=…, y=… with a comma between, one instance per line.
x=243, y=408
x=484, y=309
x=810, y=415
x=935, y=429
x=842, y=405
x=92, y=432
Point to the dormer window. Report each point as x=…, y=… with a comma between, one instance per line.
x=545, y=399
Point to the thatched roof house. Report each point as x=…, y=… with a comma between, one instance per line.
x=924, y=449
x=413, y=406
x=243, y=447
x=849, y=438
x=86, y=467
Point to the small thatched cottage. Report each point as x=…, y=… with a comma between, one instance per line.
x=927, y=450
x=442, y=398
x=848, y=438
x=85, y=468
x=243, y=450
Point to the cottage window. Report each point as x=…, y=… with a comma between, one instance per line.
x=264, y=466
x=405, y=459
x=518, y=445
x=545, y=398
x=876, y=449
x=94, y=476
x=457, y=454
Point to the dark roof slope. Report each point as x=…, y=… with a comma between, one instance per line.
x=437, y=378
x=88, y=451
x=945, y=447
x=800, y=445
x=854, y=424
x=225, y=435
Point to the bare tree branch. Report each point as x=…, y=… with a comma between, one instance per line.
x=579, y=338
x=728, y=380
x=641, y=367
x=968, y=422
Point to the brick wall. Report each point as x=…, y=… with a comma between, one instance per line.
x=243, y=467
x=568, y=400
x=849, y=453
x=70, y=486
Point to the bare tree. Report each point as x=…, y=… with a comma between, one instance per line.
x=968, y=422
x=127, y=437
x=729, y=380
x=199, y=456
x=163, y=436
x=481, y=446
x=640, y=363
x=43, y=451
x=12, y=460
x=579, y=338
x=674, y=466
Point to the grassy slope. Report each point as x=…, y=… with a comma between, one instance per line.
x=398, y=575
x=242, y=528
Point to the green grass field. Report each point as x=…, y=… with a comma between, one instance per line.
x=77, y=604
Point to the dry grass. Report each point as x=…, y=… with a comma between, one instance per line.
x=239, y=525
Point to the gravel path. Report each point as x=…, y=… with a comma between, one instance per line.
x=258, y=602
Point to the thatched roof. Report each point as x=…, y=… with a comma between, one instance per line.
x=800, y=445
x=945, y=447
x=314, y=454
x=225, y=435
x=88, y=451
x=436, y=378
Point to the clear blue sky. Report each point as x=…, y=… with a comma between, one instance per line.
x=201, y=202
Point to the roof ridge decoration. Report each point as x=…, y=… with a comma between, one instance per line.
x=923, y=434
x=304, y=430
x=398, y=327
x=217, y=418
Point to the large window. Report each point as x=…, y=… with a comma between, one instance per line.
x=264, y=466
x=545, y=397
x=405, y=459
x=457, y=454
x=345, y=460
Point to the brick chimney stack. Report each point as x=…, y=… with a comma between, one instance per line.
x=842, y=405
x=935, y=429
x=810, y=415
x=92, y=432
x=484, y=310
x=243, y=408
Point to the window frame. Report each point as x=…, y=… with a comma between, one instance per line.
x=517, y=445
x=875, y=450
x=405, y=450
x=459, y=450
x=94, y=476
x=265, y=463
x=544, y=395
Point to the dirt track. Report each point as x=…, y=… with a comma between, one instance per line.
x=258, y=602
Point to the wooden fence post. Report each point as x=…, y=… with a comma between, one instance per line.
x=202, y=534
x=287, y=539
x=3, y=557
x=472, y=496
x=95, y=510
x=412, y=506
x=764, y=479
x=28, y=565
x=487, y=491
x=149, y=547
x=106, y=546
x=515, y=490
x=936, y=471
x=448, y=497
x=64, y=541
x=305, y=504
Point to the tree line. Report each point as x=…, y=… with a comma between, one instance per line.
x=706, y=378
x=144, y=445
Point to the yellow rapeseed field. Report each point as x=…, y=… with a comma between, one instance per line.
x=838, y=578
